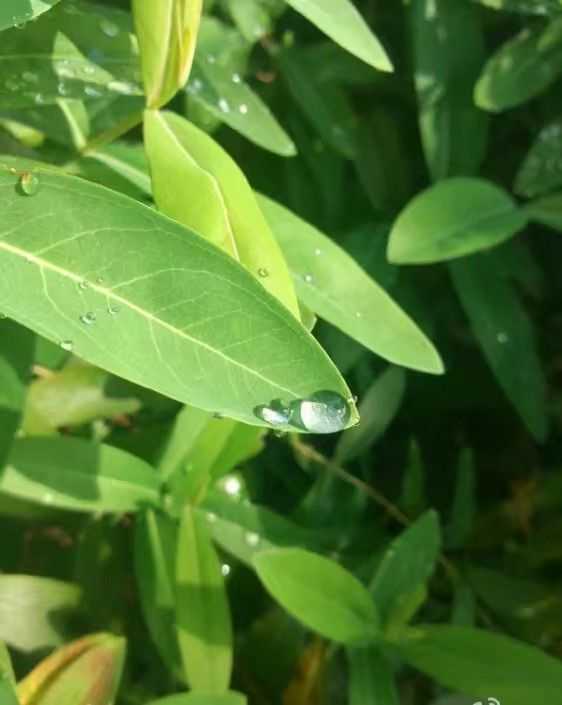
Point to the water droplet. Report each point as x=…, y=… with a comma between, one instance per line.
x=112, y=309
x=92, y=91
x=39, y=99
x=210, y=58
x=88, y=318
x=83, y=285
x=225, y=570
x=67, y=345
x=211, y=517
x=88, y=70
x=317, y=251
x=236, y=78
x=29, y=183
x=99, y=280
x=29, y=77
x=262, y=271
x=252, y=539
x=308, y=278
x=275, y=414
x=47, y=498
x=324, y=412
x=110, y=29
x=232, y=486
x=358, y=314
x=224, y=106
x=243, y=109
x=62, y=88
x=502, y=338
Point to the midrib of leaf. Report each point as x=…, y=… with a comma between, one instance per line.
x=110, y=295
x=167, y=42
x=214, y=181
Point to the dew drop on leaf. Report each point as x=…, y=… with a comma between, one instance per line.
x=262, y=271
x=243, y=109
x=224, y=106
x=324, y=412
x=274, y=414
x=88, y=318
x=29, y=183
x=308, y=278
x=83, y=285
x=67, y=345
x=110, y=29
x=225, y=570
x=252, y=539
x=236, y=78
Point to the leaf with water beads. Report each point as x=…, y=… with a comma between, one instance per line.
x=11, y=12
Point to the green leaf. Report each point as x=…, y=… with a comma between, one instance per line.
x=7, y=693
x=378, y=408
x=251, y=17
x=319, y=593
x=167, y=33
x=127, y=160
x=413, y=495
x=341, y=21
x=522, y=68
x=371, y=678
x=407, y=564
x=202, y=612
x=541, y=170
x=71, y=473
x=481, y=663
x=335, y=287
x=231, y=100
x=77, y=50
x=503, y=329
x=230, y=698
x=155, y=549
x=6, y=669
x=35, y=612
x=530, y=7
x=72, y=397
x=445, y=72
x=15, y=13
x=464, y=506
x=17, y=349
x=229, y=216
x=95, y=275
x=547, y=211
x=453, y=218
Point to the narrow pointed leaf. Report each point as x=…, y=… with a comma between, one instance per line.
x=139, y=295
x=480, y=663
x=335, y=287
x=407, y=564
x=167, y=32
x=451, y=219
x=16, y=13
x=371, y=678
x=319, y=593
x=227, y=213
x=341, y=21
x=76, y=474
x=203, y=617
x=503, y=328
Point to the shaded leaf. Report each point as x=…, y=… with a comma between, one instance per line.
x=371, y=678
x=15, y=13
x=541, y=170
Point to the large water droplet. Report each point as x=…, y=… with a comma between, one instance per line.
x=29, y=183
x=275, y=413
x=324, y=412
x=67, y=345
x=88, y=318
x=109, y=28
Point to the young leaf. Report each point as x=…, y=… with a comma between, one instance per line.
x=227, y=214
x=183, y=319
x=335, y=287
x=155, y=548
x=371, y=678
x=377, y=409
x=407, y=564
x=547, y=211
x=541, y=170
x=341, y=21
x=522, y=68
x=445, y=72
x=463, y=510
x=11, y=12
x=319, y=593
x=167, y=33
x=451, y=219
x=481, y=663
x=17, y=350
x=84, y=672
x=203, y=617
x=28, y=609
x=6, y=669
x=76, y=474
x=503, y=329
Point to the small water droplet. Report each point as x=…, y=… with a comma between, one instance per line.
x=39, y=99
x=232, y=486
x=225, y=570
x=88, y=318
x=63, y=88
x=224, y=106
x=92, y=92
x=100, y=280
x=323, y=412
x=308, y=278
x=67, y=345
x=358, y=314
x=29, y=77
x=88, y=69
x=252, y=539
x=236, y=78
x=83, y=285
x=243, y=108
x=210, y=58
x=48, y=498
x=317, y=251
x=502, y=338
x=109, y=28
x=29, y=183
x=112, y=309
x=262, y=271
x=211, y=517
x=274, y=414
